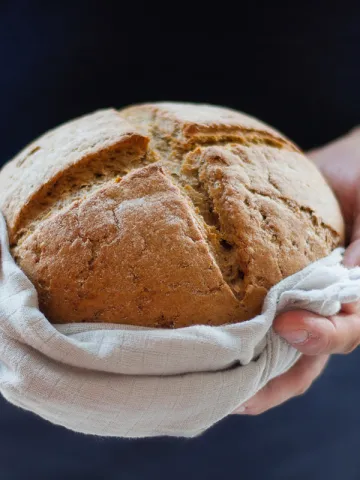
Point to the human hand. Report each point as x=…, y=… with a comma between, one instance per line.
x=315, y=336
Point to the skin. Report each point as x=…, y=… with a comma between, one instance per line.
x=315, y=336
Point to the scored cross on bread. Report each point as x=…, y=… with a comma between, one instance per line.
x=164, y=215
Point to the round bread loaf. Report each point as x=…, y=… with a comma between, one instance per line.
x=164, y=215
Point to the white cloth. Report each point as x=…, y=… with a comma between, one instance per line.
x=115, y=380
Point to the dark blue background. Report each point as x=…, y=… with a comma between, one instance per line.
x=297, y=68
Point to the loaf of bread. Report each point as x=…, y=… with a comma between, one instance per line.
x=164, y=215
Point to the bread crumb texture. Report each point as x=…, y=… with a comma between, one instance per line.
x=164, y=215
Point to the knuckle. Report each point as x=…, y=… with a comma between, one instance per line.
x=304, y=387
x=332, y=338
x=308, y=378
x=302, y=390
x=350, y=347
x=254, y=411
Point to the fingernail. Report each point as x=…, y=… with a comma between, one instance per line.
x=296, y=337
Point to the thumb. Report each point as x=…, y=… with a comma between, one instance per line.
x=352, y=254
x=312, y=334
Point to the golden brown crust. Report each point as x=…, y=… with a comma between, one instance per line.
x=260, y=229
x=193, y=228
x=137, y=255
x=186, y=125
x=27, y=183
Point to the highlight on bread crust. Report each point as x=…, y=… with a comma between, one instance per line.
x=164, y=215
